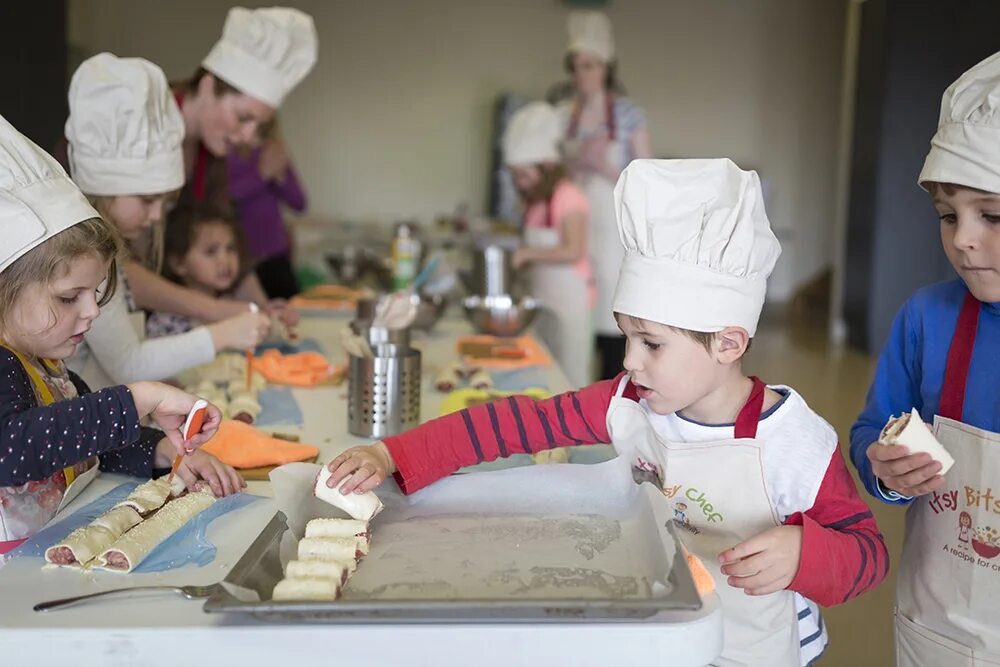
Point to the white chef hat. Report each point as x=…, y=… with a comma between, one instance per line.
x=532, y=135
x=965, y=149
x=37, y=199
x=124, y=129
x=264, y=53
x=698, y=245
x=590, y=32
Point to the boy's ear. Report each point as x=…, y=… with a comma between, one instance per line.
x=731, y=344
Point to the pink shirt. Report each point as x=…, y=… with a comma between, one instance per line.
x=566, y=199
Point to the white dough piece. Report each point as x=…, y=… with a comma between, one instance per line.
x=84, y=543
x=481, y=379
x=244, y=403
x=361, y=506
x=318, y=569
x=337, y=549
x=148, y=496
x=910, y=431
x=306, y=589
x=339, y=528
x=126, y=553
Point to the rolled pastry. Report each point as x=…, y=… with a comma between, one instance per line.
x=338, y=549
x=910, y=431
x=84, y=543
x=148, y=496
x=132, y=547
x=546, y=456
x=339, y=528
x=481, y=380
x=449, y=377
x=318, y=569
x=361, y=506
x=306, y=589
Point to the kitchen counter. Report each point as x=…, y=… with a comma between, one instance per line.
x=162, y=628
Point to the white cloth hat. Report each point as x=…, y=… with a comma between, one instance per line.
x=590, y=32
x=124, y=128
x=37, y=198
x=264, y=53
x=966, y=148
x=532, y=135
x=698, y=245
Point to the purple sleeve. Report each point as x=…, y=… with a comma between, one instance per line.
x=36, y=442
x=290, y=190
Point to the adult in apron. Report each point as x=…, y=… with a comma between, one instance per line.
x=596, y=151
x=948, y=591
x=718, y=494
x=565, y=323
x=25, y=509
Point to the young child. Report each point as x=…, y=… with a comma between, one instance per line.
x=55, y=253
x=942, y=359
x=203, y=252
x=555, y=238
x=124, y=146
x=755, y=477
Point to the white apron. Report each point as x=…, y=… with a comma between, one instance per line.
x=719, y=498
x=565, y=322
x=604, y=242
x=948, y=590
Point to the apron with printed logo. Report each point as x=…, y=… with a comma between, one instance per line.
x=718, y=493
x=604, y=243
x=25, y=509
x=566, y=321
x=948, y=591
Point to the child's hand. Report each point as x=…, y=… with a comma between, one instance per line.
x=369, y=465
x=222, y=478
x=766, y=563
x=279, y=308
x=245, y=331
x=907, y=474
x=169, y=407
x=520, y=257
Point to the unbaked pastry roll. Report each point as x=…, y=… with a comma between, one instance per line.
x=337, y=549
x=318, y=569
x=339, y=528
x=910, y=431
x=84, y=543
x=306, y=589
x=361, y=506
x=126, y=553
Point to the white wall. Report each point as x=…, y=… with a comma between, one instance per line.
x=395, y=119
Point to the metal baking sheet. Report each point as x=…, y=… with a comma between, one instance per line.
x=431, y=563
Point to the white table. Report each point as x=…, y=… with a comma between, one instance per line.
x=163, y=629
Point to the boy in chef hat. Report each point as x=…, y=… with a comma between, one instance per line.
x=770, y=506
x=56, y=269
x=941, y=360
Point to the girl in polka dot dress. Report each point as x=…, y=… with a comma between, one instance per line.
x=57, y=266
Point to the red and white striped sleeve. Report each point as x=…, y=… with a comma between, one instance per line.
x=513, y=425
x=843, y=551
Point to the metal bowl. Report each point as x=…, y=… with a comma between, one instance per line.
x=500, y=315
x=430, y=308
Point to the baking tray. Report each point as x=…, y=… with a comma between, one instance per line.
x=431, y=564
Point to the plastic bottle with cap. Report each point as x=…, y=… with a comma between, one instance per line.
x=405, y=255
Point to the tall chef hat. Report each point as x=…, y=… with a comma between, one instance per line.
x=590, y=32
x=124, y=128
x=264, y=53
x=965, y=149
x=698, y=245
x=37, y=199
x=532, y=135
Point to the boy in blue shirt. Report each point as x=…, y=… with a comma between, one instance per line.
x=943, y=358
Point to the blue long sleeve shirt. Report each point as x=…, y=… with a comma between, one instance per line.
x=910, y=372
